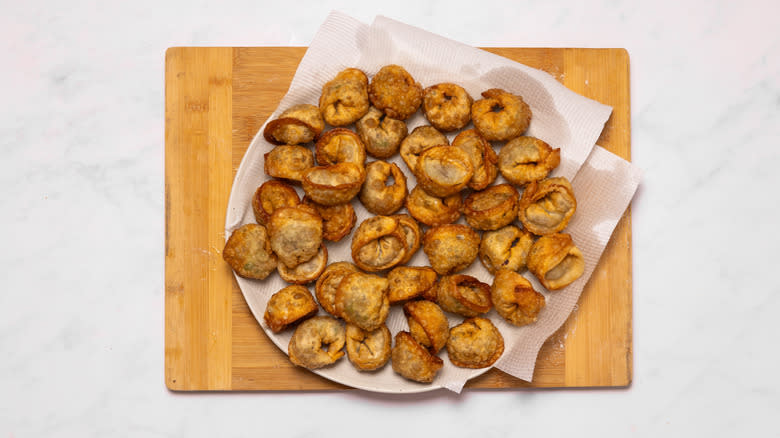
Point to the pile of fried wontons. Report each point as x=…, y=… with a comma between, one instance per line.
x=290, y=232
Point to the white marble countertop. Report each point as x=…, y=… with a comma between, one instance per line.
x=81, y=136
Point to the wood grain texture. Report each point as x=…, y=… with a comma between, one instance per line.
x=216, y=100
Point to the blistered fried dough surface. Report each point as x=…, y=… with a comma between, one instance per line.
x=547, y=207
x=526, y=159
x=492, y=208
x=515, y=299
x=340, y=145
x=307, y=271
x=500, y=115
x=432, y=210
x=344, y=99
x=297, y=125
x=408, y=282
x=427, y=324
x=556, y=261
x=317, y=342
x=361, y=299
x=328, y=283
x=248, y=252
x=443, y=170
x=394, y=91
x=333, y=185
x=447, y=106
x=378, y=243
x=288, y=162
x=421, y=138
x=368, y=350
x=506, y=248
x=413, y=361
x=337, y=220
x=384, y=190
x=271, y=195
x=296, y=234
x=464, y=295
x=382, y=135
x=450, y=248
x=288, y=306
x=412, y=233
x=483, y=158
x=476, y=343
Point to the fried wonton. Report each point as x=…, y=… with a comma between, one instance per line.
x=515, y=298
x=379, y=243
x=547, y=206
x=492, y=208
x=384, y=190
x=296, y=234
x=317, y=342
x=500, y=115
x=413, y=361
x=427, y=324
x=476, y=343
x=394, y=91
x=451, y=248
x=464, y=295
x=288, y=306
x=505, y=248
x=333, y=185
x=368, y=350
x=288, y=162
x=556, y=261
x=248, y=252
x=526, y=159
x=408, y=282
x=361, y=299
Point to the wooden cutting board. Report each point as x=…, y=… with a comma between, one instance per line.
x=215, y=101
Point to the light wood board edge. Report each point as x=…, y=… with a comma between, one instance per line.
x=198, y=138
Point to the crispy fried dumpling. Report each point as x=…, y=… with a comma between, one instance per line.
x=492, y=208
x=526, y=159
x=464, y=295
x=505, y=248
x=413, y=361
x=296, y=234
x=333, y=185
x=297, y=125
x=547, y=207
x=361, y=299
x=368, y=350
x=427, y=324
x=382, y=135
x=288, y=162
x=248, y=252
x=556, y=261
x=450, y=248
x=447, y=106
x=317, y=342
x=288, y=306
x=344, y=99
x=515, y=298
x=327, y=284
x=408, y=282
x=500, y=115
x=271, y=195
x=476, y=343
x=379, y=243
x=384, y=190
x=394, y=91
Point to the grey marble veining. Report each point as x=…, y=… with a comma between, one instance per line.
x=81, y=140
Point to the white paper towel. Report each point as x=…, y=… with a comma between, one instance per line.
x=603, y=187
